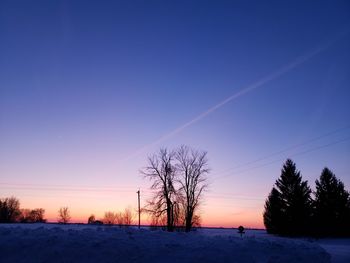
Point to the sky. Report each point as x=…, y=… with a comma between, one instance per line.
x=90, y=89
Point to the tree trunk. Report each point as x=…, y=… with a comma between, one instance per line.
x=169, y=213
x=188, y=223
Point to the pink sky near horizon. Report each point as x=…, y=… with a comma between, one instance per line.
x=89, y=91
x=231, y=199
x=249, y=219
x=216, y=210
x=212, y=213
x=228, y=202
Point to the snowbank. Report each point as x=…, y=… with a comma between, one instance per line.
x=67, y=243
x=338, y=248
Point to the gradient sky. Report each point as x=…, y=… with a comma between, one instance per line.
x=89, y=89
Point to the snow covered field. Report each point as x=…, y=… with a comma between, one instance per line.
x=337, y=248
x=84, y=243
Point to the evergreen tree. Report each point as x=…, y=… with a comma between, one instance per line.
x=293, y=200
x=332, y=209
x=272, y=214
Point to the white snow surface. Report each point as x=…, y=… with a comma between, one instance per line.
x=86, y=243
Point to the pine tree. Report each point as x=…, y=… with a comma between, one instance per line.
x=292, y=198
x=332, y=209
x=272, y=214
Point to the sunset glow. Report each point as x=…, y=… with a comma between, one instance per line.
x=89, y=91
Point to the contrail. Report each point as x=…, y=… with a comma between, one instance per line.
x=275, y=74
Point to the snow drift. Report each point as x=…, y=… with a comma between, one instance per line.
x=67, y=243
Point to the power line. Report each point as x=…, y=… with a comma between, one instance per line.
x=130, y=189
x=285, y=150
x=67, y=186
x=113, y=197
x=149, y=195
x=236, y=198
x=84, y=197
x=39, y=187
x=296, y=154
x=63, y=189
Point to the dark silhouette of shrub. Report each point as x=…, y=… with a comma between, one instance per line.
x=9, y=210
x=32, y=216
x=91, y=219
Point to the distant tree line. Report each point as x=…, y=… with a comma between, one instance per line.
x=178, y=182
x=292, y=209
x=10, y=212
x=124, y=218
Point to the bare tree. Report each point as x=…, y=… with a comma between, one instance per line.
x=161, y=171
x=64, y=215
x=119, y=219
x=37, y=215
x=127, y=217
x=9, y=210
x=196, y=220
x=192, y=176
x=156, y=222
x=24, y=216
x=109, y=218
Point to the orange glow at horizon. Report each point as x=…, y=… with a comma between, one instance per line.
x=245, y=220
x=249, y=218
x=214, y=212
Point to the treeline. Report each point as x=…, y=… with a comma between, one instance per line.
x=293, y=209
x=10, y=212
x=124, y=218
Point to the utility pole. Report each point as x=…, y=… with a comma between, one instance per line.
x=138, y=198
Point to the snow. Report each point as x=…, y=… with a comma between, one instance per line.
x=87, y=243
x=339, y=249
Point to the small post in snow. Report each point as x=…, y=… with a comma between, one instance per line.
x=241, y=230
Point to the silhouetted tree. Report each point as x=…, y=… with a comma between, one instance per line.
x=64, y=215
x=124, y=218
x=119, y=218
x=272, y=214
x=192, y=175
x=157, y=222
x=161, y=171
x=9, y=210
x=127, y=217
x=296, y=203
x=196, y=221
x=331, y=216
x=109, y=218
x=24, y=217
x=91, y=219
x=37, y=215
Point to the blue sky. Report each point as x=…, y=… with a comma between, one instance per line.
x=84, y=84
